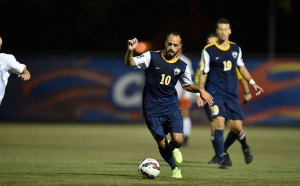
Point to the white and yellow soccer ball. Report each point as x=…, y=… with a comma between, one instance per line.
x=149, y=168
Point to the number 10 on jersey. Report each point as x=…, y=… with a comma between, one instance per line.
x=165, y=80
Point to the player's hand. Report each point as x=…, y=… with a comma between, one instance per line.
x=206, y=96
x=132, y=44
x=258, y=89
x=25, y=76
x=247, y=97
x=199, y=101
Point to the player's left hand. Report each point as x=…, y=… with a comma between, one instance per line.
x=247, y=97
x=258, y=89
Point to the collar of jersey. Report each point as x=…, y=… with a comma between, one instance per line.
x=224, y=49
x=169, y=61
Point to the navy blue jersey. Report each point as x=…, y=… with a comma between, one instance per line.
x=159, y=95
x=220, y=66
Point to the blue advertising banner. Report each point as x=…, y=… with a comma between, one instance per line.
x=102, y=89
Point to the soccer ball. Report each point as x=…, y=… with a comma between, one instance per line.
x=149, y=168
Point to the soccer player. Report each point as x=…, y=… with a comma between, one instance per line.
x=247, y=97
x=184, y=100
x=8, y=65
x=160, y=100
x=219, y=77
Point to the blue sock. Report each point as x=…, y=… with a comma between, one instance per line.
x=231, y=137
x=167, y=155
x=219, y=140
x=214, y=144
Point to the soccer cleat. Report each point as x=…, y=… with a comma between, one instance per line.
x=227, y=159
x=223, y=165
x=214, y=160
x=248, y=155
x=176, y=173
x=177, y=155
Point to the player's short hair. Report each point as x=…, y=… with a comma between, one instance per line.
x=222, y=21
x=175, y=34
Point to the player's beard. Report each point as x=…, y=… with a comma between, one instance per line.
x=170, y=54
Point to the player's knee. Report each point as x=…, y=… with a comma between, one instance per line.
x=177, y=143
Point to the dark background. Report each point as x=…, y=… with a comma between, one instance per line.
x=101, y=26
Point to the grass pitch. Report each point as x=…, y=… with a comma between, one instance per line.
x=77, y=154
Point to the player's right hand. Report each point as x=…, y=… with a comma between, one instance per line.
x=206, y=97
x=132, y=44
x=199, y=101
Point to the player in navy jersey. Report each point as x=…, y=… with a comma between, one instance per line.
x=247, y=97
x=160, y=100
x=219, y=78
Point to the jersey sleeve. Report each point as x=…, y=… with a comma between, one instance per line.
x=206, y=60
x=142, y=61
x=240, y=59
x=14, y=65
x=186, y=79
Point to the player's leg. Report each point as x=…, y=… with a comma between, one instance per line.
x=154, y=125
x=185, y=104
x=236, y=116
x=219, y=140
x=217, y=114
x=237, y=129
x=175, y=127
x=215, y=158
x=187, y=125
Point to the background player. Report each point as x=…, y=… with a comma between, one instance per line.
x=220, y=60
x=184, y=100
x=8, y=65
x=160, y=100
x=247, y=97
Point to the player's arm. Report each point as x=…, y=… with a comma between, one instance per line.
x=203, y=94
x=131, y=46
x=25, y=75
x=246, y=75
x=200, y=77
x=187, y=84
x=244, y=83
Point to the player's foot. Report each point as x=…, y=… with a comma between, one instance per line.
x=214, y=160
x=248, y=155
x=227, y=159
x=223, y=165
x=177, y=156
x=176, y=173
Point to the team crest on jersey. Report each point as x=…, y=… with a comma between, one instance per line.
x=234, y=54
x=176, y=71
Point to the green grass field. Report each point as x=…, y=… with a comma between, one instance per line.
x=77, y=154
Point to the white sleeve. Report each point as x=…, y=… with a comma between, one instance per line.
x=186, y=79
x=201, y=62
x=185, y=59
x=14, y=65
x=206, y=61
x=240, y=59
x=142, y=61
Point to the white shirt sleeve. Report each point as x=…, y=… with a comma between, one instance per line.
x=206, y=61
x=185, y=59
x=186, y=79
x=240, y=61
x=142, y=61
x=14, y=65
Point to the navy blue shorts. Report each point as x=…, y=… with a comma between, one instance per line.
x=161, y=125
x=228, y=108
